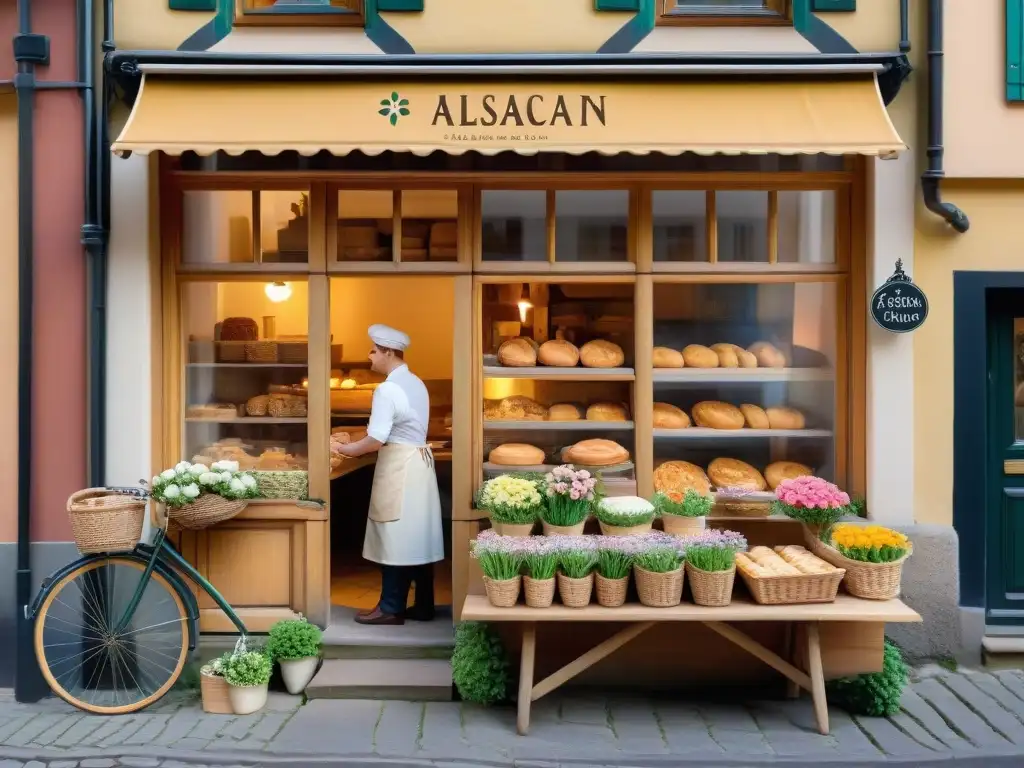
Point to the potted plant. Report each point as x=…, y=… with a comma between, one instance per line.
x=295, y=645
x=500, y=559
x=513, y=503
x=247, y=674
x=214, y=688
x=711, y=566
x=197, y=496
x=569, y=498
x=541, y=562
x=873, y=557
x=658, y=567
x=576, y=560
x=624, y=515
x=815, y=502
x=614, y=562
x=683, y=514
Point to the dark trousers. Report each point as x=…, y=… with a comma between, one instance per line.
x=394, y=588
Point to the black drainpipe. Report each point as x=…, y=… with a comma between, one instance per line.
x=932, y=177
x=904, y=26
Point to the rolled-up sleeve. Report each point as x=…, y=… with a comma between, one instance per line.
x=382, y=415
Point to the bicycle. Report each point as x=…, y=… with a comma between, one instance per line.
x=113, y=625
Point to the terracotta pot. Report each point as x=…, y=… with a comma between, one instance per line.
x=540, y=593
x=502, y=594
x=513, y=529
x=677, y=525
x=564, y=530
x=626, y=530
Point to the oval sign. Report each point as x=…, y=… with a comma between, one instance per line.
x=899, y=306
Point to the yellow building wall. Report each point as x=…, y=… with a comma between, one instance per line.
x=9, y=317
x=149, y=25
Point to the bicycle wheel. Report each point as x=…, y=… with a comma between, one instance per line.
x=87, y=660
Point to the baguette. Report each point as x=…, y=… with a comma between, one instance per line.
x=803, y=560
x=772, y=562
x=749, y=567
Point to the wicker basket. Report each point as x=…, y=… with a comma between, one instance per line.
x=711, y=588
x=231, y=351
x=790, y=590
x=292, y=352
x=677, y=525
x=575, y=593
x=518, y=530
x=540, y=593
x=282, y=484
x=261, y=351
x=105, y=521
x=626, y=530
x=502, y=594
x=209, y=509
x=726, y=507
x=287, y=406
x=659, y=590
x=215, y=695
x=871, y=581
x=563, y=530
x=611, y=593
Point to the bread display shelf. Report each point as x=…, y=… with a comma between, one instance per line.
x=554, y=373
x=247, y=365
x=753, y=375
x=581, y=425
x=704, y=433
x=248, y=420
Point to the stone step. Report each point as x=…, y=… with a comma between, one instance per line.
x=1003, y=651
x=403, y=679
x=385, y=651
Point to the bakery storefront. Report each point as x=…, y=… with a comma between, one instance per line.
x=700, y=240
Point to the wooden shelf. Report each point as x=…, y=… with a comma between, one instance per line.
x=247, y=365
x=583, y=425
x=249, y=420
x=703, y=433
x=552, y=373
x=739, y=375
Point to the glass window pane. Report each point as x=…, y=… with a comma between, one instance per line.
x=742, y=226
x=514, y=225
x=430, y=220
x=592, y=225
x=365, y=224
x=217, y=227
x=284, y=226
x=807, y=227
x=245, y=367
x=680, y=229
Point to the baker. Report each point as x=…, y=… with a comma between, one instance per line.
x=403, y=532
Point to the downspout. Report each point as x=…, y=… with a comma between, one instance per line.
x=904, y=27
x=934, y=174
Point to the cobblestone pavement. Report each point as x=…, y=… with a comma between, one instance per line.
x=967, y=717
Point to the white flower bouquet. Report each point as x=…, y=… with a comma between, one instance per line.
x=511, y=500
x=185, y=483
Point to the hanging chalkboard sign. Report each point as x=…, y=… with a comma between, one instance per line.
x=898, y=305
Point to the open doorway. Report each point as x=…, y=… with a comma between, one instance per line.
x=422, y=307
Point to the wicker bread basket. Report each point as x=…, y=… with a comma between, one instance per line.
x=292, y=352
x=659, y=590
x=540, y=593
x=231, y=351
x=282, y=484
x=502, y=594
x=261, y=351
x=790, y=590
x=287, y=406
x=209, y=509
x=752, y=504
x=105, y=521
x=871, y=581
x=711, y=588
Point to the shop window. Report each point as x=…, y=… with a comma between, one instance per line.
x=366, y=225
x=724, y=11
x=245, y=380
x=807, y=227
x=218, y=227
x=513, y=225
x=742, y=226
x=430, y=225
x=299, y=12
x=592, y=225
x=680, y=225
x=384, y=225
x=764, y=366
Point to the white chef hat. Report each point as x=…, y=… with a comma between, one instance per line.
x=383, y=336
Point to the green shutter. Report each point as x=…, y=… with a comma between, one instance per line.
x=192, y=5
x=617, y=5
x=399, y=5
x=830, y=6
x=1015, y=50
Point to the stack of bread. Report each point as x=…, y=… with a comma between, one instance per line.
x=761, y=354
x=523, y=352
x=723, y=473
x=715, y=414
x=793, y=560
x=522, y=408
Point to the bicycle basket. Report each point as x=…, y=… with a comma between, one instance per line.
x=209, y=509
x=104, y=520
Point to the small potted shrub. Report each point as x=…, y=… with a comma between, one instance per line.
x=569, y=497
x=513, y=503
x=711, y=566
x=817, y=503
x=247, y=674
x=540, y=558
x=500, y=559
x=295, y=645
x=683, y=514
x=614, y=562
x=873, y=557
x=658, y=567
x=214, y=688
x=576, y=560
x=624, y=515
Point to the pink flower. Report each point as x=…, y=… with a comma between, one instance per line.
x=811, y=493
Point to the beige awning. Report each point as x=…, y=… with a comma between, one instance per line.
x=840, y=115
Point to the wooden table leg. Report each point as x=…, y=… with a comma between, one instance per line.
x=529, y=651
x=793, y=656
x=817, y=675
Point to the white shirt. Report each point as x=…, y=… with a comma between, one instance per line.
x=400, y=410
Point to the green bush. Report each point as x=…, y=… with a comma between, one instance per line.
x=480, y=666
x=876, y=694
x=248, y=669
x=293, y=639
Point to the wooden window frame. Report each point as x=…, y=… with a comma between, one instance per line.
x=775, y=13
x=245, y=16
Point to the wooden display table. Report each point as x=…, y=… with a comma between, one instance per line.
x=639, y=618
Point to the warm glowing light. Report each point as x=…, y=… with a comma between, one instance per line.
x=523, y=306
x=278, y=292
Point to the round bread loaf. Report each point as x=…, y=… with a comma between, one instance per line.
x=668, y=416
x=699, y=356
x=492, y=410
x=597, y=453
x=558, y=352
x=529, y=341
x=521, y=408
x=767, y=354
x=754, y=416
x=516, y=455
x=667, y=358
x=601, y=354
x=778, y=471
x=746, y=359
x=607, y=412
x=726, y=355
x=733, y=473
x=780, y=417
x=563, y=412
x=680, y=476
x=714, y=414
x=517, y=353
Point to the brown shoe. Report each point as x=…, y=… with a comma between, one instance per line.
x=376, y=616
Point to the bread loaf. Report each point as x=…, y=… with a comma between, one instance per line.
x=767, y=354
x=516, y=455
x=597, y=453
x=714, y=414
x=492, y=410
x=802, y=560
x=563, y=412
x=517, y=353
x=754, y=416
x=558, y=352
x=699, y=356
x=726, y=355
x=680, y=476
x=785, y=418
x=778, y=471
x=733, y=473
x=668, y=416
x=521, y=408
x=772, y=562
x=664, y=357
x=746, y=359
x=607, y=412
x=601, y=354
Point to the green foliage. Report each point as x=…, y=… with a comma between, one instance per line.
x=499, y=566
x=660, y=559
x=541, y=565
x=822, y=519
x=293, y=639
x=248, y=669
x=480, y=666
x=711, y=558
x=613, y=563
x=691, y=504
x=216, y=667
x=876, y=694
x=563, y=511
x=577, y=563
x=884, y=554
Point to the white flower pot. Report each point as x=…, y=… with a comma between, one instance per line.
x=298, y=672
x=247, y=699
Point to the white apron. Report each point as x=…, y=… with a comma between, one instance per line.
x=404, y=525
